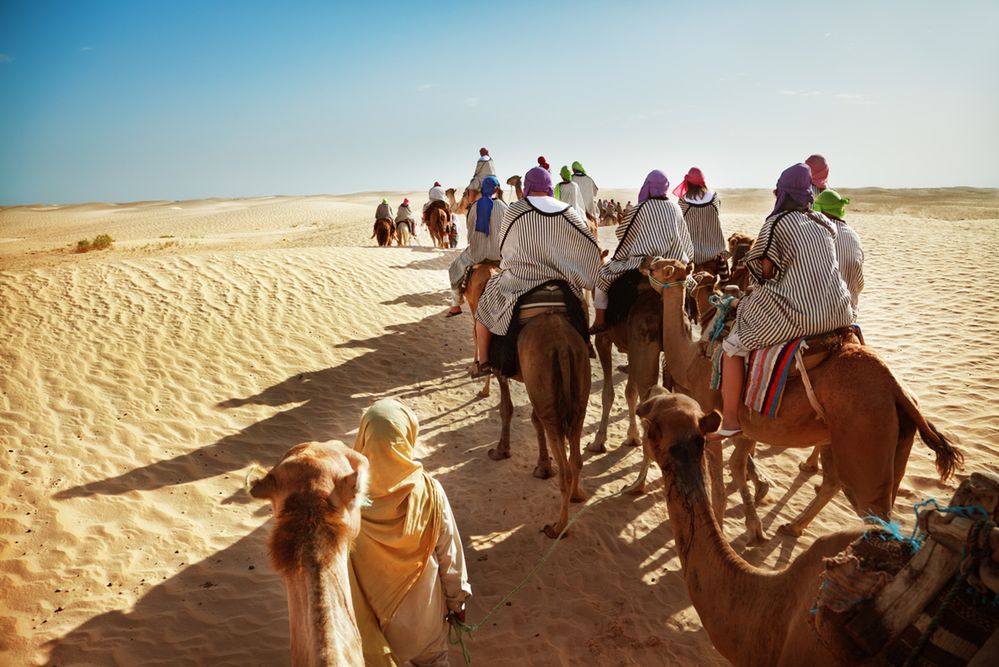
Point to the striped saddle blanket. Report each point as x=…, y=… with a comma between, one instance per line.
x=769, y=368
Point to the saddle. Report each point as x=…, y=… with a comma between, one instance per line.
x=554, y=296
x=437, y=204
x=622, y=295
x=465, y=277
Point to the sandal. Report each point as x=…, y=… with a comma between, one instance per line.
x=480, y=369
x=723, y=434
x=453, y=312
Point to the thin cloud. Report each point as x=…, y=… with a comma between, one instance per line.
x=850, y=98
x=4, y=59
x=86, y=48
x=471, y=102
x=424, y=87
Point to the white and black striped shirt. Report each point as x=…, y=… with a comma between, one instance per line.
x=806, y=296
x=704, y=224
x=850, y=256
x=654, y=228
x=536, y=247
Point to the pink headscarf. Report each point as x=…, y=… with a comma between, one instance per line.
x=693, y=177
x=656, y=185
x=820, y=170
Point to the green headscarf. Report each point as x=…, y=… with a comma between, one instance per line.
x=566, y=177
x=830, y=202
x=385, y=201
x=578, y=168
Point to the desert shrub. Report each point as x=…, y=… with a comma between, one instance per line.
x=83, y=246
x=100, y=242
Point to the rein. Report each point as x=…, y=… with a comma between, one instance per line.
x=655, y=283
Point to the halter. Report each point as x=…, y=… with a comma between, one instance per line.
x=659, y=285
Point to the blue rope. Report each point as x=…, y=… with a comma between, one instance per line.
x=723, y=304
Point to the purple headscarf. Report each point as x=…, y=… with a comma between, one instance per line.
x=656, y=185
x=794, y=189
x=538, y=180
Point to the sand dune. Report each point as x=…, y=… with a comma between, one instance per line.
x=139, y=383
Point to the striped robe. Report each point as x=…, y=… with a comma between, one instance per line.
x=850, y=256
x=806, y=296
x=704, y=224
x=536, y=247
x=654, y=228
x=588, y=191
x=480, y=246
x=483, y=168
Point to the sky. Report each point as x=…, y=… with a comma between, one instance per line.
x=137, y=100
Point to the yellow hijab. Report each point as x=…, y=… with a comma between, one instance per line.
x=399, y=529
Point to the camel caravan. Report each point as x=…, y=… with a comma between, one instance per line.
x=739, y=341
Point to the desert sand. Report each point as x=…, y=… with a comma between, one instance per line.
x=140, y=383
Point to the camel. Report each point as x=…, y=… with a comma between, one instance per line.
x=383, y=231
x=402, y=233
x=515, y=182
x=640, y=337
x=317, y=490
x=753, y=616
x=480, y=275
x=437, y=219
x=555, y=367
x=738, y=245
x=870, y=432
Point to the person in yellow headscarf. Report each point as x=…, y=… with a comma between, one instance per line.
x=408, y=560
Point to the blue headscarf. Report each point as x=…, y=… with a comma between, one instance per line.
x=484, y=207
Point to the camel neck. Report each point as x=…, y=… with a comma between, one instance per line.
x=679, y=349
x=728, y=593
x=321, y=613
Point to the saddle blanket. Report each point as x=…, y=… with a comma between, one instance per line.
x=767, y=374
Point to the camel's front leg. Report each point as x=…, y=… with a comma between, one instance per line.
x=760, y=481
x=544, y=468
x=502, y=450
x=827, y=489
x=604, y=345
x=631, y=390
x=638, y=487
x=743, y=450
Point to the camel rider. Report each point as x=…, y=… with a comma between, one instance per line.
x=542, y=239
x=405, y=225
x=435, y=194
x=484, y=221
x=384, y=211
x=568, y=192
x=587, y=189
x=654, y=228
x=849, y=250
x=798, y=287
x=408, y=564
x=701, y=211
x=483, y=167
x=820, y=173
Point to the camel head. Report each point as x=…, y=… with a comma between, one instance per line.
x=513, y=181
x=449, y=193
x=705, y=279
x=317, y=490
x=674, y=428
x=665, y=271
x=738, y=245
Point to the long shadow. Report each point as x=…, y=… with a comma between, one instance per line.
x=327, y=404
x=187, y=618
x=441, y=259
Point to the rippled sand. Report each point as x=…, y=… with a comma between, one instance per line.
x=139, y=383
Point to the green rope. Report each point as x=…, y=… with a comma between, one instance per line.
x=457, y=629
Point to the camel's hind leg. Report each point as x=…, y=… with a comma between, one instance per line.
x=643, y=372
x=543, y=470
x=739, y=461
x=556, y=445
x=714, y=461
x=604, y=347
x=827, y=489
x=502, y=450
x=576, y=463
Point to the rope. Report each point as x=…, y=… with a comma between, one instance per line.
x=655, y=283
x=723, y=304
x=457, y=629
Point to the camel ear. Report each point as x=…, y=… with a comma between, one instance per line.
x=261, y=488
x=604, y=254
x=709, y=423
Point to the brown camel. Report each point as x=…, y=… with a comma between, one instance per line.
x=754, y=617
x=437, y=219
x=555, y=368
x=738, y=245
x=383, y=232
x=870, y=432
x=480, y=275
x=317, y=490
x=640, y=337
x=515, y=182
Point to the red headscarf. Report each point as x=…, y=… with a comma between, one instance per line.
x=437, y=184
x=820, y=170
x=483, y=152
x=405, y=202
x=693, y=177
x=544, y=163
